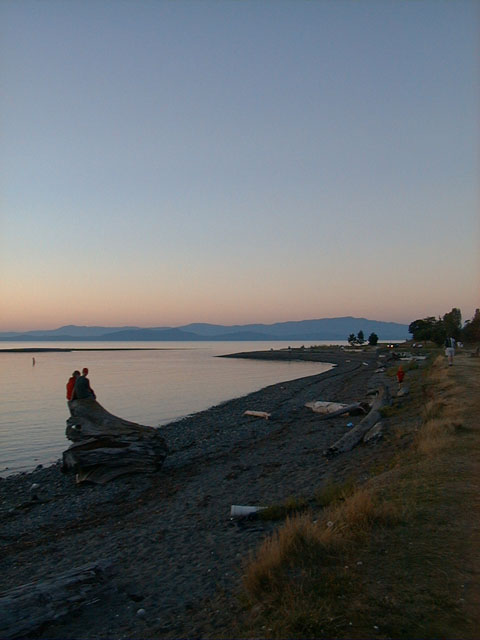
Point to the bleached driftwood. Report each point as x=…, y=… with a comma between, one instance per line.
x=334, y=409
x=257, y=414
x=320, y=406
x=29, y=607
x=355, y=435
x=106, y=446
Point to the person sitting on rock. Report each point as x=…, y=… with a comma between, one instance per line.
x=71, y=384
x=82, y=388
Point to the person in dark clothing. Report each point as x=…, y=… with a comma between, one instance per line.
x=82, y=388
x=450, y=350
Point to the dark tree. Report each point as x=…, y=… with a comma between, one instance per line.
x=422, y=329
x=372, y=339
x=471, y=330
x=438, y=332
x=452, y=322
x=352, y=339
x=360, y=337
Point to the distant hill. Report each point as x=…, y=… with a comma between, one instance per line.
x=308, y=330
x=152, y=334
x=321, y=329
x=67, y=332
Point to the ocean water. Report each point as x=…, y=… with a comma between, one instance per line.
x=150, y=387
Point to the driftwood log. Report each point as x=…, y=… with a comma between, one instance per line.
x=106, y=446
x=335, y=409
x=29, y=607
x=356, y=435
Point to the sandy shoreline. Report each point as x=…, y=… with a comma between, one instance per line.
x=169, y=537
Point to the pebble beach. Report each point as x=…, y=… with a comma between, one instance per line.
x=174, y=554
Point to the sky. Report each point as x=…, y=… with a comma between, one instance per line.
x=233, y=161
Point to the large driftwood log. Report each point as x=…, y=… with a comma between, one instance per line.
x=90, y=420
x=106, y=446
x=29, y=607
x=355, y=435
x=335, y=409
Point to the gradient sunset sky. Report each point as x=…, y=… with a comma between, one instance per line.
x=166, y=162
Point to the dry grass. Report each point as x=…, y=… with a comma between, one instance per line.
x=353, y=519
x=440, y=416
x=307, y=544
x=296, y=579
x=332, y=492
x=290, y=506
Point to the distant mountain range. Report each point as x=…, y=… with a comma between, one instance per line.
x=321, y=329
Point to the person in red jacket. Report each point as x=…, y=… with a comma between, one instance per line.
x=400, y=374
x=70, y=385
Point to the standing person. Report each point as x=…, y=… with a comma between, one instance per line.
x=82, y=388
x=450, y=350
x=400, y=375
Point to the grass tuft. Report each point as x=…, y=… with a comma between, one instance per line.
x=333, y=492
x=291, y=506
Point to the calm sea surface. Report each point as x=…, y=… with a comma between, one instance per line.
x=150, y=387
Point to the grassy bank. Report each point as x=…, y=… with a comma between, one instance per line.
x=395, y=556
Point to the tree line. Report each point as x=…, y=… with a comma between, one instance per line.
x=448, y=326
x=360, y=338
x=434, y=329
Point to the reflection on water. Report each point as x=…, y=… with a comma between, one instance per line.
x=149, y=387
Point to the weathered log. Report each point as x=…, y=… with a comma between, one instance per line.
x=355, y=435
x=322, y=406
x=106, y=446
x=335, y=409
x=90, y=420
x=257, y=414
x=375, y=433
x=29, y=607
x=142, y=455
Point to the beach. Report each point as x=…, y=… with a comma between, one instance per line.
x=174, y=554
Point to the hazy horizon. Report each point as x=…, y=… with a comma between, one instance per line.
x=238, y=162
x=158, y=326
